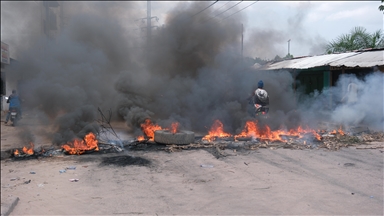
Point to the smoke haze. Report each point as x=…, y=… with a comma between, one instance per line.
x=192, y=73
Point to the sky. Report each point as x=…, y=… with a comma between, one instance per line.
x=308, y=24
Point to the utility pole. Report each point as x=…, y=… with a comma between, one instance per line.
x=149, y=28
x=288, y=46
x=242, y=39
x=149, y=25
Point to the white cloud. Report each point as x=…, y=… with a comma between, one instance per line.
x=294, y=4
x=328, y=6
x=358, y=12
x=314, y=17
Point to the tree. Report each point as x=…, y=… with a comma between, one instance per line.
x=260, y=61
x=288, y=56
x=357, y=39
x=381, y=7
x=278, y=58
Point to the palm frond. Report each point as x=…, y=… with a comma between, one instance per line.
x=358, y=38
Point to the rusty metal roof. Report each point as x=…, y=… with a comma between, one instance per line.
x=350, y=59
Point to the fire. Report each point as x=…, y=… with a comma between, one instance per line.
x=252, y=130
x=28, y=151
x=313, y=132
x=216, y=131
x=79, y=146
x=174, y=127
x=149, y=129
x=140, y=138
x=340, y=131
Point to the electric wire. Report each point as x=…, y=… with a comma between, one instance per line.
x=241, y=10
x=223, y=5
x=226, y=10
x=206, y=8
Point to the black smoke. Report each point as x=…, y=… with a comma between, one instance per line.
x=192, y=72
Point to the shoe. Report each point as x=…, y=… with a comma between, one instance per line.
x=6, y=122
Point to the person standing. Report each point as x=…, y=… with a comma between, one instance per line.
x=351, y=96
x=14, y=102
x=261, y=98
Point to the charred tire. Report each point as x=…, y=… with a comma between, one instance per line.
x=180, y=138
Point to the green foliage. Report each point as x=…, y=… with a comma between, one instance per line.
x=357, y=39
x=381, y=7
x=277, y=58
x=260, y=61
x=288, y=56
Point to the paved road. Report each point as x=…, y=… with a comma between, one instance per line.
x=254, y=182
x=272, y=182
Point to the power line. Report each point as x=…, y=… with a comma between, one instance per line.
x=223, y=5
x=206, y=8
x=241, y=10
x=226, y=10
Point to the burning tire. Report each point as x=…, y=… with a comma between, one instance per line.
x=181, y=137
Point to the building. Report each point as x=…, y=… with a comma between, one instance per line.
x=5, y=62
x=51, y=23
x=319, y=72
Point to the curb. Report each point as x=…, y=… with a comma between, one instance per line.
x=8, y=206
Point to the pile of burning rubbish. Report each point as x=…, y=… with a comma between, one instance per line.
x=77, y=147
x=251, y=137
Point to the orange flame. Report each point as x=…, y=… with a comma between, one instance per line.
x=174, y=127
x=149, y=129
x=28, y=151
x=216, y=131
x=140, y=138
x=341, y=132
x=78, y=146
x=251, y=130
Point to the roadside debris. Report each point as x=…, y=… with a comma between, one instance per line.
x=71, y=168
x=328, y=136
x=73, y=180
x=206, y=166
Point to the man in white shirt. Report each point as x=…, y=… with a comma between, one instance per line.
x=351, y=96
x=261, y=98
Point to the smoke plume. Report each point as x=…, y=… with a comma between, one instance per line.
x=191, y=71
x=368, y=110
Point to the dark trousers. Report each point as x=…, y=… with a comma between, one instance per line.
x=18, y=110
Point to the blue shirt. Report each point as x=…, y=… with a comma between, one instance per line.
x=14, y=100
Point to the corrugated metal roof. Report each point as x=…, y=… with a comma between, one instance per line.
x=363, y=59
x=351, y=59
